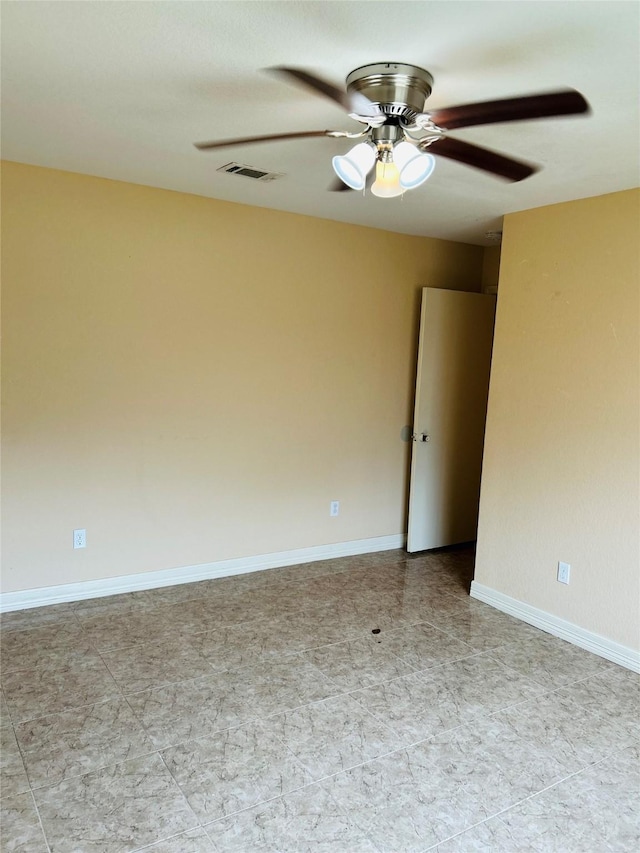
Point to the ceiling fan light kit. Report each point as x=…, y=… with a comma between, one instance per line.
x=389, y=99
x=387, y=182
x=398, y=169
x=352, y=168
x=414, y=167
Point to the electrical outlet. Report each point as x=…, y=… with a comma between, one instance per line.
x=564, y=570
x=334, y=508
x=80, y=538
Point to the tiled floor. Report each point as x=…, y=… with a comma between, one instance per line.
x=262, y=713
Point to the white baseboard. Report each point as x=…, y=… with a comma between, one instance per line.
x=28, y=598
x=608, y=649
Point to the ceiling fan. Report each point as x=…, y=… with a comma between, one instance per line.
x=399, y=138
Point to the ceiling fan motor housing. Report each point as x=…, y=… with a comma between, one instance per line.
x=400, y=90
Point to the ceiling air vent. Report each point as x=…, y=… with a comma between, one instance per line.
x=249, y=172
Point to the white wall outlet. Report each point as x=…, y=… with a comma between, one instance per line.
x=334, y=508
x=564, y=570
x=80, y=538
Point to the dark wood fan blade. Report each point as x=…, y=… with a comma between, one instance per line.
x=482, y=158
x=563, y=103
x=339, y=186
x=352, y=104
x=247, y=140
x=318, y=85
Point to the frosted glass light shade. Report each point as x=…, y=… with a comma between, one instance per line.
x=353, y=167
x=387, y=182
x=413, y=165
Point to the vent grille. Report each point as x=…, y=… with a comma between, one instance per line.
x=249, y=172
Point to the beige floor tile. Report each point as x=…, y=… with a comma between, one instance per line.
x=191, y=841
x=405, y=803
x=234, y=770
x=613, y=694
x=232, y=646
x=13, y=776
x=482, y=627
x=570, y=733
x=300, y=822
x=358, y=615
x=190, y=709
x=491, y=836
x=358, y=663
x=550, y=661
x=206, y=613
x=57, y=687
x=5, y=717
x=20, y=829
x=597, y=809
x=279, y=685
x=332, y=735
x=81, y=740
x=154, y=664
x=36, y=617
x=121, y=630
x=431, y=605
x=496, y=766
x=425, y=704
x=424, y=646
x=56, y=641
x=121, y=807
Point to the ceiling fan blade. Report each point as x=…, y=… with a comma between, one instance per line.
x=482, y=158
x=339, y=186
x=275, y=137
x=355, y=103
x=563, y=103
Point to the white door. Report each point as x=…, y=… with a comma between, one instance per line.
x=454, y=358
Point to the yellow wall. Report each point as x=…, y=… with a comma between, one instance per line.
x=490, y=268
x=561, y=461
x=192, y=380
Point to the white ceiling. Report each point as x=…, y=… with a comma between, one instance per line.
x=122, y=89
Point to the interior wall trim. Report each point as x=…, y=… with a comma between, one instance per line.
x=592, y=642
x=41, y=596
